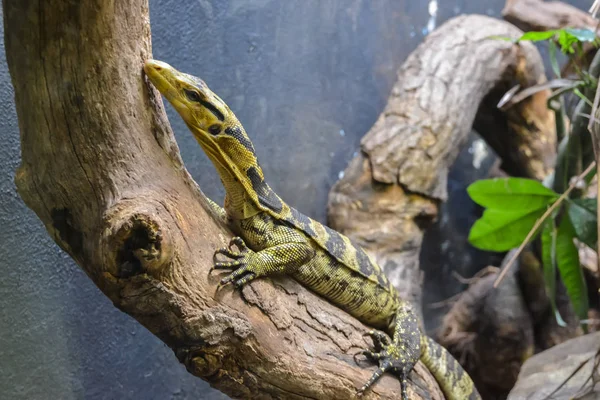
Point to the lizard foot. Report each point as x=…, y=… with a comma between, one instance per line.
x=242, y=261
x=390, y=356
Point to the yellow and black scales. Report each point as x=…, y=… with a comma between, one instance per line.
x=276, y=239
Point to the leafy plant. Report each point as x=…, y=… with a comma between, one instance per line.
x=518, y=210
x=512, y=207
x=582, y=213
x=569, y=39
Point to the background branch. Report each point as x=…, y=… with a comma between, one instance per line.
x=539, y=15
x=391, y=190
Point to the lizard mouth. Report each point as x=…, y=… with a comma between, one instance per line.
x=163, y=77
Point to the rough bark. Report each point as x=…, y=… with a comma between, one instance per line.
x=539, y=15
x=567, y=371
x=101, y=169
x=391, y=190
x=492, y=333
x=494, y=330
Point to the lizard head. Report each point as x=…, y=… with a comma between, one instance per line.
x=212, y=122
x=218, y=131
x=202, y=110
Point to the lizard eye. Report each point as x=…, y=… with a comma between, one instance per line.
x=192, y=95
x=214, y=129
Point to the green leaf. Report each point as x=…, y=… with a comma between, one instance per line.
x=584, y=217
x=549, y=263
x=500, y=230
x=582, y=35
x=537, y=36
x=566, y=41
x=567, y=38
x=553, y=59
x=567, y=258
x=513, y=205
x=511, y=194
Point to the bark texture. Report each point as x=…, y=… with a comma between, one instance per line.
x=567, y=371
x=539, y=15
x=391, y=190
x=492, y=331
x=101, y=169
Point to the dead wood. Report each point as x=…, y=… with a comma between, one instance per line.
x=101, y=169
x=390, y=192
x=492, y=331
x=567, y=371
x=539, y=15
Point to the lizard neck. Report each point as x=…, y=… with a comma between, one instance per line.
x=234, y=158
x=238, y=201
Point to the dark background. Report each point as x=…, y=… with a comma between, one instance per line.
x=307, y=78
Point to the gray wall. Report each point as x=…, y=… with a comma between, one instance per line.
x=297, y=73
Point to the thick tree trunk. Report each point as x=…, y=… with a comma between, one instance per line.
x=101, y=169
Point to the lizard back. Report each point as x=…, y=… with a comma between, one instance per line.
x=340, y=271
x=337, y=245
x=340, y=247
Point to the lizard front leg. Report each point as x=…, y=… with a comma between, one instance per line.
x=284, y=258
x=400, y=354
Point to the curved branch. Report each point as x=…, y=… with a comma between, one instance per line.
x=451, y=82
x=101, y=169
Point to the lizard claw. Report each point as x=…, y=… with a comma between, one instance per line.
x=240, y=263
x=238, y=283
x=398, y=356
x=383, y=367
x=356, y=354
x=367, y=353
x=239, y=275
x=229, y=252
x=237, y=257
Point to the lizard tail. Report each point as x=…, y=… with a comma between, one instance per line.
x=452, y=378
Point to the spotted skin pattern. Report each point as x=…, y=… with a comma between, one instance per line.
x=275, y=239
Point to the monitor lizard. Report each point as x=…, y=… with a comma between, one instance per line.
x=273, y=238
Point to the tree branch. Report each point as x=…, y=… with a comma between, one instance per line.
x=101, y=169
x=452, y=81
x=539, y=15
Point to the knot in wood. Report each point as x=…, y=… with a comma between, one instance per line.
x=204, y=364
x=141, y=246
x=137, y=243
